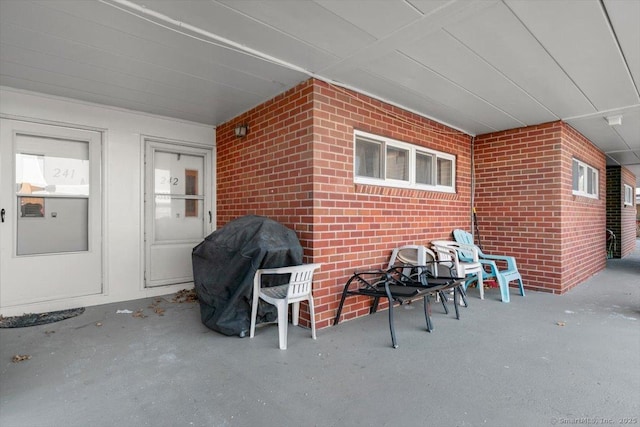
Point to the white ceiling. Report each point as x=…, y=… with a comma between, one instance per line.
x=478, y=66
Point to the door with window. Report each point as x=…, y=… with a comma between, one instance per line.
x=51, y=212
x=178, y=209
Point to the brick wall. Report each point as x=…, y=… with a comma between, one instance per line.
x=358, y=225
x=526, y=207
x=614, y=205
x=296, y=166
x=583, y=219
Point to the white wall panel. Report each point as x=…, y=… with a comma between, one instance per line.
x=122, y=178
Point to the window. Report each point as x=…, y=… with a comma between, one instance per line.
x=385, y=161
x=585, y=179
x=191, y=189
x=628, y=195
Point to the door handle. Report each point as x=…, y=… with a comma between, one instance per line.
x=2, y=212
x=209, y=216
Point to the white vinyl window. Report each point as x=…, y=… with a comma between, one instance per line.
x=628, y=195
x=388, y=162
x=585, y=179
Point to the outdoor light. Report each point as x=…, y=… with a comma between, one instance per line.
x=241, y=130
x=614, y=120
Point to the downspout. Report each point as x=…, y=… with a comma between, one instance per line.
x=473, y=187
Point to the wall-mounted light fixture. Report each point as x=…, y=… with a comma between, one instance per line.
x=614, y=120
x=242, y=130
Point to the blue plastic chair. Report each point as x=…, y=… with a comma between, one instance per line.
x=503, y=277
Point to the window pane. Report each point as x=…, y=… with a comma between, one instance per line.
x=173, y=220
x=590, y=178
x=397, y=164
x=191, y=188
x=368, y=158
x=63, y=170
x=424, y=168
x=581, y=178
x=445, y=172
x=46, y=169
x=62, y=228
x=576, y=176
x=177, y=173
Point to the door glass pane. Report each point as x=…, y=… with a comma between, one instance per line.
x=62, y=228
x=52, y=195
x=179, y=198
x=52, y=166
x=397, y=163
x=172, y=223
x=191, y=189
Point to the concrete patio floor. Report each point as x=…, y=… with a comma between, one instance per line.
x=540, y=360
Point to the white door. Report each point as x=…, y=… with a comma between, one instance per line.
x=178, y=209
x=51, y=209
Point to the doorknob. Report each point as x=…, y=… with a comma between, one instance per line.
x=2, y=214
x=209, y=216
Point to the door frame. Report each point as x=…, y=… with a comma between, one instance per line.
x=208, y=205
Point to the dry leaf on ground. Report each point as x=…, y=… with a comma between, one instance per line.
x=139, y=313
x=185, y=295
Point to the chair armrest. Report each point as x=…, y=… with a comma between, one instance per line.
x=511, y=261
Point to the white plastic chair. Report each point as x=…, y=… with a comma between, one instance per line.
x=449, y=253
x=419, y=255
x=414, y=255
x=298, y=289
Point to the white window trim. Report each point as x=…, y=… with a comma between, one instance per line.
x=413, y=150
x=628, y=195
x=588, y=169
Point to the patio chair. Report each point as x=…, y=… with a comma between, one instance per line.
x=396, y=286
x=296, y=290
x=504, y=276
x=449, y=254
x=415, y=255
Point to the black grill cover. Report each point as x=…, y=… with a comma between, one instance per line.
x=225, y=263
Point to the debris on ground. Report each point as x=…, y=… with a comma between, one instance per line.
x=20, y=358
x=156, y=309
x=560, y=323
x=124, y=311
x=47, y=333
x=99, y=324
x=139, y=313
x=185, y=295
